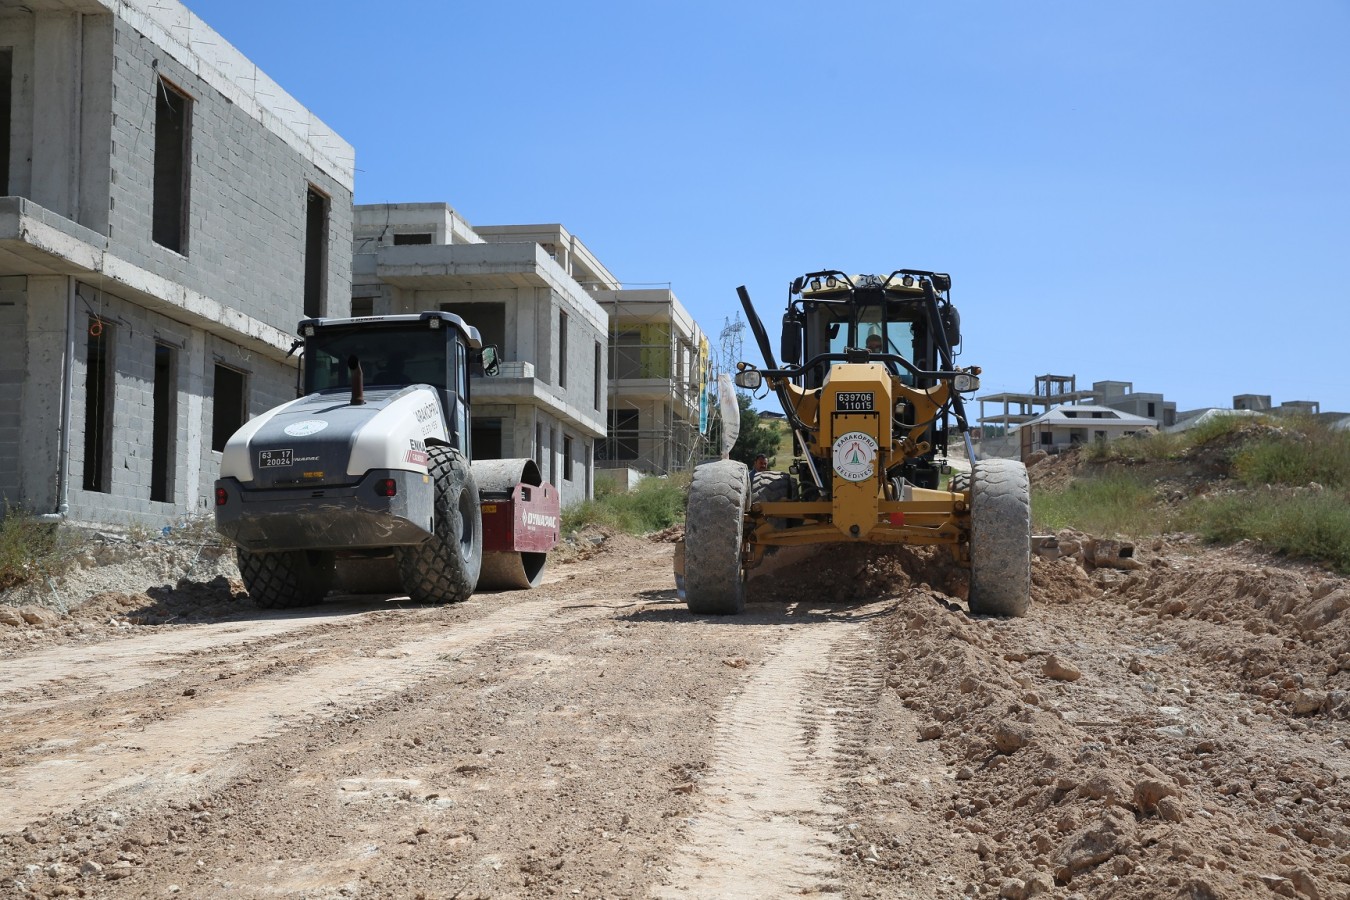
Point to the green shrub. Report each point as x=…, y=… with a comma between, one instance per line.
x=1101, y=451
x=1287, y=453
x=1216, y=427
x=29, y=549
x=1111, y=503
x=655, y=503
x=1296, y=457
x=1308, y=524
x=1163, y=446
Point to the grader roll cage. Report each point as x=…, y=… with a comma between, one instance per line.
x=870, y=431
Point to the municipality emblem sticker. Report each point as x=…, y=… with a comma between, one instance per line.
x=309, y=426
x=855, y=456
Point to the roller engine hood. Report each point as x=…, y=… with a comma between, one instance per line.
x=324, y=439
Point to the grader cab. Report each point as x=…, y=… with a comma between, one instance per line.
x=870, y=391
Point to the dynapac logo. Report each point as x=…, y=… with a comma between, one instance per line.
x=542, y=521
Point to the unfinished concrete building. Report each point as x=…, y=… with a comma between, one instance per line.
x=658, y=379
x=521, y=286
x=1121, y=395
x=167, y=214
x=1064, y=427
x=998, y=431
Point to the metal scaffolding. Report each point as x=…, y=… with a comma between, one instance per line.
x=658, y=375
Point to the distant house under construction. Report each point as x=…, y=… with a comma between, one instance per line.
x=658, y=364
x=1051, y=390
x=1065, y=427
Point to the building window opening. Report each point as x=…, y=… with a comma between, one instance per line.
x=162, y=426
x=622, y=441
x=229, y=408
x=562, y=349
x=487, y=438
x=567, y=457
x=625, y=355
x=316, y=253
x=1151, y=411
x=488, y=318
x=410, y=240
x=173, y=124
x=98, y=407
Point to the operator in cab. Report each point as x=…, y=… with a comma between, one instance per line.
x=876, y=344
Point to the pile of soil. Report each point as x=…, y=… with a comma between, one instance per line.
x=115, y=583
x=592, y=541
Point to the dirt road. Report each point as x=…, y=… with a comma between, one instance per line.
x=1176, y=730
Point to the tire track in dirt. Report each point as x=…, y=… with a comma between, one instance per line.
x=183, y=752
x=764, y=828
x=27, y=682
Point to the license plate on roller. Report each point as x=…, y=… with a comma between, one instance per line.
x=855, y=401
x=271, y=459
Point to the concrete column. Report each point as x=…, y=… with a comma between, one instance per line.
x=13, y=377
x=41, y=403
x=192, y=430
x=57, y=81
x=93, y=163
x=543, y=335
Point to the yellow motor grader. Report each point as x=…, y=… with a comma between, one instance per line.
x=870, y=391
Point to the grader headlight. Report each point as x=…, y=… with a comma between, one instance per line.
x=964, y=383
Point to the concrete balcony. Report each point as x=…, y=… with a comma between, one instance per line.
x=516, y=369
x=516, y=383
x=449, y=267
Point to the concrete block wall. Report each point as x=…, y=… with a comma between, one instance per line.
x=13, y=361
x=247, y=201
x=40, y=402
x=531, y=433
x=532, y=335
x=82, y=148
x=82, y=145
x=134, y=333
x=551, y=433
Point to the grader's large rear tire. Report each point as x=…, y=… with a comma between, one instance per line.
x=1000, y=538
x=771, y=487
x=287, y=579
x=713, y=535
x=445, y=569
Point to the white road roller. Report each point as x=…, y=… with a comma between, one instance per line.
x=367, y=483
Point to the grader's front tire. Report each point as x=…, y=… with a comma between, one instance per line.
x=1000, y=538
x=445, y=569
x=713, y=536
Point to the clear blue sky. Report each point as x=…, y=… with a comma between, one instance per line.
x=1148, y=191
